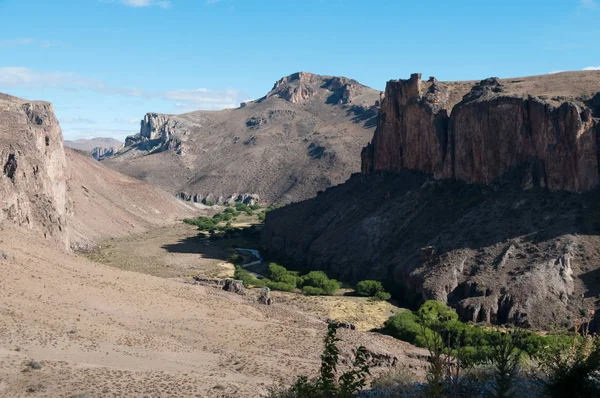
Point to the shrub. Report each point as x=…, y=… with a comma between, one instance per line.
x=404, y=326
x=327, y=384
x=313, y=291
x=210, y=203
x=368, y=288
x=236, y=259
x=383, y=296
x=320, y=280
x=573, y=368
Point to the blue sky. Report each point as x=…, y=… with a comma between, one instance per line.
x=105, y=63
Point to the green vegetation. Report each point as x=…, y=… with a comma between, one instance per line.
x=315, y=283
x=236, y=259
x=477, y=343
x=370, y=288
x=245, y=208
x=328, y=384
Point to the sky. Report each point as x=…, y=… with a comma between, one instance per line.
x=105, y=63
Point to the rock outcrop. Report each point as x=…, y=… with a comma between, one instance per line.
x=100, y=153
x=156, y=134
x=482, y=195
x=489, y=133
x=33, y=188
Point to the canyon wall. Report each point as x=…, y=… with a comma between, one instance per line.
x=33, y=189
x=492, y=131
x=482, y=195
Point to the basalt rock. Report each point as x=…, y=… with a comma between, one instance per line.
x=33, y=182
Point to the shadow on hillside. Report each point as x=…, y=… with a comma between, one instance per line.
x=217, y=246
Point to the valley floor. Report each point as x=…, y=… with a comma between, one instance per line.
x=102, y=330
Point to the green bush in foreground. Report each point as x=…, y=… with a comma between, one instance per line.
x=328, y=384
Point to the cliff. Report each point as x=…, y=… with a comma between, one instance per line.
x=493, y=130
x=33, y=183
x=440, y=210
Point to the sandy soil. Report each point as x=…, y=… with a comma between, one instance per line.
x=108, y=332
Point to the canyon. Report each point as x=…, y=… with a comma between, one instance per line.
x=483, y=195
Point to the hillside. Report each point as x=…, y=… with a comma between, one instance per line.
x=73, y=327
x=304, y=136
x=108, y=204
x=99, y=147
x=489, y=202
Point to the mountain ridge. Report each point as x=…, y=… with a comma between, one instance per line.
x=301, y=137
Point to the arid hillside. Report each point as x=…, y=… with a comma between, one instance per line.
x=465, y=200
x=106, y=203
x=72, y=327
x=304, y=136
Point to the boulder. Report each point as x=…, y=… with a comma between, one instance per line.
x=264, y=296
x=234, y=286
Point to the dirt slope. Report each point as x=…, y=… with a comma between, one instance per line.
x=305, y=135
x=106, y=203
x=108, y=332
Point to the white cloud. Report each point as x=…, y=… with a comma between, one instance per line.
x=208, y=2
x=122, y=120
x=203, y=98
x=588, y=4
x=187, y=100
x=592, y=68
x=86, y=134
x=141, y=3
x=77, y=120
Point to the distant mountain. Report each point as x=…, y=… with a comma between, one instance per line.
x=99, y=147
x=304, y=136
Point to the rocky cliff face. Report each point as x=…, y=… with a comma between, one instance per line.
x=33, y=187
x=300, y=87
x=156, y=134
x=440, y=210
x=490, y=132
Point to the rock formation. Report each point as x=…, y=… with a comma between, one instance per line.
x=482, y=195
x=300, y=138
x=99, y=147
x=489, y=133
x=33, y=184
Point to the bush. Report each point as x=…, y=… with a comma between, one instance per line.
x=327, y=385
x=404, y=326
x=236, y=259
x=313, y=291
x=370, y=288
x=383, y=296
x=320, y=280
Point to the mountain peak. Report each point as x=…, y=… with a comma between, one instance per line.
x=302, y=86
